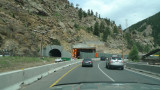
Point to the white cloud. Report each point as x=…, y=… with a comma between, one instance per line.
x=120, y=10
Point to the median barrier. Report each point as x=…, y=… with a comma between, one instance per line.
x=13, y=80
x=149, y=68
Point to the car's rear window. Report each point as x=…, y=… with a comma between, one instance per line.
x=114, y=58
x=87, y=59
x=103, y=57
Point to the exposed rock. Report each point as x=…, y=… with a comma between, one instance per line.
x=19, y=19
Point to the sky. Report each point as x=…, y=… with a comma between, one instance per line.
x=123, y=12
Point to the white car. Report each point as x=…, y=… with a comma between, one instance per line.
x=58, y=60
x=115, y=62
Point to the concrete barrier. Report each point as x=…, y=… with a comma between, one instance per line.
x=145, y=67
x=13, y=80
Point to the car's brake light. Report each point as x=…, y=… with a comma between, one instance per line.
x=82, y=61
x=91, y=62
x=122, y=61
x=110, y=61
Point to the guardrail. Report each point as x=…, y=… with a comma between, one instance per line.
x=148, y=68
x=13, y=80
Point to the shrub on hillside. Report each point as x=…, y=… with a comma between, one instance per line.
x=133, y=55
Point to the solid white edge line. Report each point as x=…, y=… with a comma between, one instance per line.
x=142, y=74
x=105, y=73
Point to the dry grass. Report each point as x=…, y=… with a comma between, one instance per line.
x=15, y=63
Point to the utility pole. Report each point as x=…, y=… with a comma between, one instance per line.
x=123, y=40
x=41, y=46
x=122, y=46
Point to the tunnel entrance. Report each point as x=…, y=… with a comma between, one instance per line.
x=55, y=53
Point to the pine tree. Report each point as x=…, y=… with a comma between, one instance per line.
x=80, y=13
x=133, y=55
x=77, y=5
x=96, y=29
x=84, y=14
x=106, y=34
x=71, y=4
x=99, y=16
x=119, y=27
x=92, y=13
x=102, y=27
x=89, y=12
x=96, y=14
x=115, y=30
x=91, y=28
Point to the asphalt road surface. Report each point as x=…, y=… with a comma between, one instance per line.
x=97, y=73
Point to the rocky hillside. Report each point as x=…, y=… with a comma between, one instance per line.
x=145, y=34
x=23, y=23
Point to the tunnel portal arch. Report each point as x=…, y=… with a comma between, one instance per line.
x=55, y=53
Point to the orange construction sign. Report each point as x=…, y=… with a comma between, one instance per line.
x=96, y=55
x=74, y=53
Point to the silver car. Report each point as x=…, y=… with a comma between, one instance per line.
x=115, y=62
x=87, y=62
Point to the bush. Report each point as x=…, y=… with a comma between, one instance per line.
x=55, y=42
x=96, y=29
x=89, y=29
x=133, y=55
x=76, y=25
x=140, y=47
x=147, y=48
x=130, y=42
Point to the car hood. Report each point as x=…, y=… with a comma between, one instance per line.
x=106, y=86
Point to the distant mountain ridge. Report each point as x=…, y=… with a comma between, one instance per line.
x=148, y=27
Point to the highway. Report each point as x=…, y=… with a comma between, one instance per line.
x=97, y=73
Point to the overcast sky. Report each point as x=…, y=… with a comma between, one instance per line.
x=121, y=10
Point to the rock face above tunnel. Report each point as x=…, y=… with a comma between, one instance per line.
x=55, y=51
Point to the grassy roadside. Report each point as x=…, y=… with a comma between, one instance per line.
x=9, y=63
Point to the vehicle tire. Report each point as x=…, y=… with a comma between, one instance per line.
x=108, y=67
x=122, y=68
x=91, y=65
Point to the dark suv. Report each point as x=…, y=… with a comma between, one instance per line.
x=103, y=58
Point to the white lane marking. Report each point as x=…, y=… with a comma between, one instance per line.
x=142, y=74
x=105, y=73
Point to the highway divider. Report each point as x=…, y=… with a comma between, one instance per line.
x=154, y=69
x=14, y=79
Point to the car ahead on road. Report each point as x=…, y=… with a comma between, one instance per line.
x=103, y=58
x=115, y=62
x=58, y=60
x=87, y=62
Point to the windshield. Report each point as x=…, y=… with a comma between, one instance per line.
x=87, y=59
x=116, y=58
x=44, y=43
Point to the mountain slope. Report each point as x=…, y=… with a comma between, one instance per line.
x=19, y=19
x=145, y=34
x=149, y=27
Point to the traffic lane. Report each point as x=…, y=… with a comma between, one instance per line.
x=126, y=76
x=85, y=74
x=45, y=82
